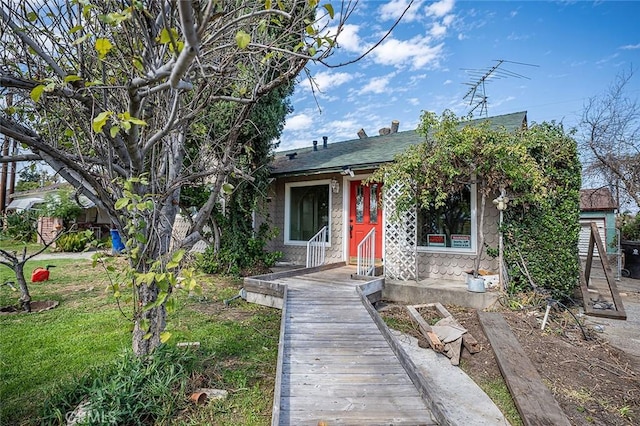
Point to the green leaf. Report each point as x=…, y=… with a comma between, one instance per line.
x=103, y=46
x=147, y=336
x=227, y=188
x=329, y=8
x=243, y=39
x=267, y=4
x=176, y=259
x=121, y=203
x=71, y=78
x=81, y=39
x=36, y=92
x=32, y=16
x=114, y=131
x=75, y=29
x=100, y=120
x=165, y=336
x=170, y=305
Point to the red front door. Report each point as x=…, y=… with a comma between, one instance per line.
x=364, y=213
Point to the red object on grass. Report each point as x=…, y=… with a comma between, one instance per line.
x=40, y=274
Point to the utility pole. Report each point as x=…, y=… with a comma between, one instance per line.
x=6, y=143
x=3, y=176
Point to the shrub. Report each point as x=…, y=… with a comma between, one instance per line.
x=541, y=240
x=74, y=242
x=630, y=229
x=21, y=226
x=131, y=391
x=238, y=255
x=61, y=206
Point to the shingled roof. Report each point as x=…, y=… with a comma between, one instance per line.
x=598, y=199
x=366, y=153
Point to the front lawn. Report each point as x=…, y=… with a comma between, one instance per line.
x=41, y=353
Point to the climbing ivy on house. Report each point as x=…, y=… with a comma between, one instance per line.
x=538, y=168
x=541, y=239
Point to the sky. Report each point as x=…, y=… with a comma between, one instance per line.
x=557, y=55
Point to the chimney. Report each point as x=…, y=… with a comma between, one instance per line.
x=384, y=131
x=324, y=142
x=315, y=145
x=394, y=126
x=362, y=134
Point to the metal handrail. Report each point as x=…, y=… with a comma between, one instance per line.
x=367, y=254
x=316, y=247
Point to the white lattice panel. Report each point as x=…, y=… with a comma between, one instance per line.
x=400, y=239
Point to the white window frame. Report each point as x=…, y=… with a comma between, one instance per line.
x=287, y=210
x=474, y=231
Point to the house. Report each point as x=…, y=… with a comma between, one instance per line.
x=90, y=218
x=321, y=185
x=597, y=205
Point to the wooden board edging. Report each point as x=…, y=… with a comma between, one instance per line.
x=534, y=401
x=429, y=396
x=277, y=393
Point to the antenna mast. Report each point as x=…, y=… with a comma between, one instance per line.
x=477, y=94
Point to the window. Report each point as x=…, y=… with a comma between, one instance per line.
x=306, y=210
x=451, y=227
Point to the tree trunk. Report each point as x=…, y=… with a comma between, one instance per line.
x=155, y=319
x=25, y=297
x=476, y=265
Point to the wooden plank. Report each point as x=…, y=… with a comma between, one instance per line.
x=534, y=400
x=425, y=328
x=412, y=417
x=470, y=343
x=588, y=306
x=452, y=350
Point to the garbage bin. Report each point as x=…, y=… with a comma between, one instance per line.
x=116, y=242
x=631, y=250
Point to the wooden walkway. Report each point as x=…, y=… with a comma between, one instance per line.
x=335, y=366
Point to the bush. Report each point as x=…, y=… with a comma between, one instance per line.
x=21, y=226
x=541, y=241
x=248, y=258
x=630, y=229
x=132, y=391
x=74, y=242
x=61, y=206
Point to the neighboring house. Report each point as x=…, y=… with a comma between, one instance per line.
x=321, y=186
x=597, y=205
x=90, y=218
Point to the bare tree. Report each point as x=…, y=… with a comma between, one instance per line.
x=611, y=140
x=109, y=93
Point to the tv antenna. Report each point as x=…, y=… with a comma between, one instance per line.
x=477, y=93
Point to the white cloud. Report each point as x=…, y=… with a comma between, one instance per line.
x=417, y=52
x=438, y=30
x=447, y=82
x=630, y=46
x=377, y=85
x=448, y=20
x=440, y=8
x=326, y=80
x=299, y=122
x=393, y=10
x=348, y=38
x=414, y=101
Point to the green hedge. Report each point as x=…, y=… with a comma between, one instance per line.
x=541, y=241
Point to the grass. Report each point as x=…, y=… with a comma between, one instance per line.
x=12, y=245
x=41, y=353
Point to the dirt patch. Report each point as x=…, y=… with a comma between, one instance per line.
x=594, y=383
x=38, y=306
